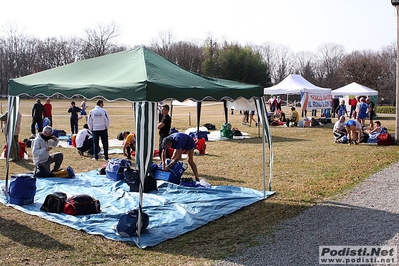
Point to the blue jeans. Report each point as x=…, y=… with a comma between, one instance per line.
x=103, y=134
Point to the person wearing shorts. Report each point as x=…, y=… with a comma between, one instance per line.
x=83, y=106
x=180, y=142
x=354, y=130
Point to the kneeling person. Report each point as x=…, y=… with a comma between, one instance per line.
x=179, y=142
x=84, y=140
x=42, y=159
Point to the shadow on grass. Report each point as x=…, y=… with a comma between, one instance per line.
x=27, y=164
x=28, y=237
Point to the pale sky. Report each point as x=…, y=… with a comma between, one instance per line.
x=301, y=25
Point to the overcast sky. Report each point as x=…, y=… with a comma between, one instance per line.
x=301, y=25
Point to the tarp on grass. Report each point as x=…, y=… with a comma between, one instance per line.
x=173, y=210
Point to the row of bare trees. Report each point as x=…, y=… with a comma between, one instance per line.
x=330, y=66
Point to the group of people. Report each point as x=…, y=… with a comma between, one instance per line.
x=42, y=112
x=352, y=130
x=274, y=103
x=248, y=118
x=87, y=139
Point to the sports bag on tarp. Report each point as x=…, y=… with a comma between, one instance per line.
x=127, y=224
x=81, y=204
x=54, y=202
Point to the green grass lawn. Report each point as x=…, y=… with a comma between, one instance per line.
x=308, y=168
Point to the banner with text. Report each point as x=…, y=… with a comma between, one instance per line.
x=310, y=101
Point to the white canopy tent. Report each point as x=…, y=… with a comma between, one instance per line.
x=354, y=89
x=312, y=96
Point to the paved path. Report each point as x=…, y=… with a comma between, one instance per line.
x=368, y=215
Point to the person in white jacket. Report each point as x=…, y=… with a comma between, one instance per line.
x=98, y=124
x=42, y=159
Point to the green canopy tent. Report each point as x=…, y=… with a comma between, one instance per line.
x=144, y=78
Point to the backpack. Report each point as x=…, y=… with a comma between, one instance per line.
x=384, y=139
x=54, y=202
x=61, y=133
x=120, y=136
x=127, y=224
x=81, y=204
x=132, y=178
x=210, y=126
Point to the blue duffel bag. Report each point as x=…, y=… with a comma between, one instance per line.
x=115, y=168
x=22, y=189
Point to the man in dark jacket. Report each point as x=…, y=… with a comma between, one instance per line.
x=38, y=113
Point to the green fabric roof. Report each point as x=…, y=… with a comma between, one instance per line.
x=134, y=75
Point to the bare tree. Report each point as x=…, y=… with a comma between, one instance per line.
x=305, y=65
x=163, y=44
x=330, y=57
x=98, y=41
x=279, y=60
x=18, y=54
x=387, y=80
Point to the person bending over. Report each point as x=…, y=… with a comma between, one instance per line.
x=42, y=159
x=129, y=144
x=179, y=142
x=84, y=140
x=355, y=131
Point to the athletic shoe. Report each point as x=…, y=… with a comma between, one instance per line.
x=80, y=153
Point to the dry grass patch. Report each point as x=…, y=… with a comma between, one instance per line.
x=308, y=167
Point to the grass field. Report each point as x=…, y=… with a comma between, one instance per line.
x=308, y=168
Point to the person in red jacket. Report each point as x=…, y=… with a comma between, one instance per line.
x=353, y=104
x=48, y=108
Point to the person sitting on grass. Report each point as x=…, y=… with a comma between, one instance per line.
x=180, y=142
x=42, y=159
x=129, y=144
x=339, y=129
x=294, y=118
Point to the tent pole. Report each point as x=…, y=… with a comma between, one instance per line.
x=198, y=115
x=226, y=117
x=171, y=108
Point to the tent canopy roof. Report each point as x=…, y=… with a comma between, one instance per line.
x=354, y=89
x=134, y=75
x=295, y=84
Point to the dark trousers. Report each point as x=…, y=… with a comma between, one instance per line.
x=353, y=112
x=44, y=168
x=74, y=125
x=314, y=112
x=39, y=122
x=103, y=134
x=87, y=146
x=161, y=137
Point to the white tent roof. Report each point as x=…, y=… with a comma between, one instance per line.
x=295, y=84
x=354, y=89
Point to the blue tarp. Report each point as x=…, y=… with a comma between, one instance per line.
x=173, y=209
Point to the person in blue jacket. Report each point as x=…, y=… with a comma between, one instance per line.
x=180, y=142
